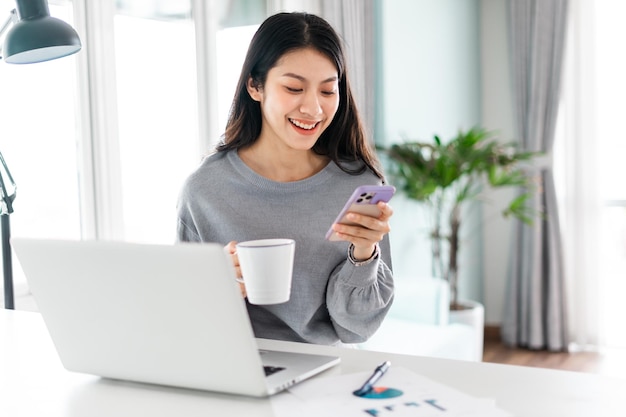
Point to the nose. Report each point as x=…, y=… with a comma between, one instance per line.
x=310, y=104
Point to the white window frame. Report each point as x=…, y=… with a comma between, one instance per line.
x=99, y=157
x=99, y=149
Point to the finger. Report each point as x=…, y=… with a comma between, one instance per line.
x=242, y=288
x=380, y=225
x=385, y=209
x=231, y=249
x=359, y=236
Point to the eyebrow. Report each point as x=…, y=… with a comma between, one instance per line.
x=301, y=78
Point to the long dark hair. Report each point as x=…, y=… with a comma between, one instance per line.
x=345, y=139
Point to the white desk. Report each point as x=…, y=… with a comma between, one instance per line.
x=34, y=383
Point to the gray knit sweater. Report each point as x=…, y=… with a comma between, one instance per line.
x=332, y=300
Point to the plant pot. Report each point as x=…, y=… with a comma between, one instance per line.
x=472, y=315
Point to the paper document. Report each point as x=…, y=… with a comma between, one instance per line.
x=400, y=393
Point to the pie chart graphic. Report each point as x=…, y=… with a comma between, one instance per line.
x=381, y=393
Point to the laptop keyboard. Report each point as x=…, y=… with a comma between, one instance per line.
x=269, y=370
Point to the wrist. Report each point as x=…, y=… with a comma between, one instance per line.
x=360, y=262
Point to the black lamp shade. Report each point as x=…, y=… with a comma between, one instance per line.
x=38, y=37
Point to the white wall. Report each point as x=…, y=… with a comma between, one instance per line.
x=445, y=66
x=430, y=68
x=430, y=54
x=497, y=115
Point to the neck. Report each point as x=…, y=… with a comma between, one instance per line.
x=282, y=166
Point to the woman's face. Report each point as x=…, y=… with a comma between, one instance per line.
x=299, y=99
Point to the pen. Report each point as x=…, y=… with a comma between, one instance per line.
x=369, y=384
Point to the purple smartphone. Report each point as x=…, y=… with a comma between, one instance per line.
x=363, y=200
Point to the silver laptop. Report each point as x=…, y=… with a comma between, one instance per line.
x=160, y=314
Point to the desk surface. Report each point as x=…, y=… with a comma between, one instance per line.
x=34, y=383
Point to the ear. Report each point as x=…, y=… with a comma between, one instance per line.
x=253, y=90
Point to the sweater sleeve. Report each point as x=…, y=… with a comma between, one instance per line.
x=359, y=297
x=186, y=230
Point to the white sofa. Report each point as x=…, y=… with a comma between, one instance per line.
x=418, y=324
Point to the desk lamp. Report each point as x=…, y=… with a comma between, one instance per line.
x=34, y=36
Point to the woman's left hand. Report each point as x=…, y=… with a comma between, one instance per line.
x=231, y=250
x=367, y=231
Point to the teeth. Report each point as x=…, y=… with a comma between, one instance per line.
x=302, y=125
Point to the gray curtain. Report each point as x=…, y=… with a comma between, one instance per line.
x=354, y=20
x=535, y=299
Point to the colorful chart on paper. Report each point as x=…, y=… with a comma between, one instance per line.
x=382, y=393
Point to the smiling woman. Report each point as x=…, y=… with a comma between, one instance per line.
x=293, y=151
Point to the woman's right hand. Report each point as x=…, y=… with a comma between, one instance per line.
x=231, y=249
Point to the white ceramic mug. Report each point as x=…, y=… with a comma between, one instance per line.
x=266, y=269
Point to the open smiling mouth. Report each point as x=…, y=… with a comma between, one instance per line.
x=305, y=126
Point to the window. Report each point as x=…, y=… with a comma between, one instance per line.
x=157, y=104
x=100, y=143
x=40, y=143
x=232, y=45
x=611, y=90
x=157, y=111
x=589, y=149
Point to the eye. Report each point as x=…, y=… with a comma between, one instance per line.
x=329, y=92
x=293, y=89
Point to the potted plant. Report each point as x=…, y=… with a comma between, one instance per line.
x=448, y=176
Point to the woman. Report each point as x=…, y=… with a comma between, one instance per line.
x=293, y=151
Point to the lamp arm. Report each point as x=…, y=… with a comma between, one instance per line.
x=12, y=19
x=6, y=199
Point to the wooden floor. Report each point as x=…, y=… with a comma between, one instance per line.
x=610, y=362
